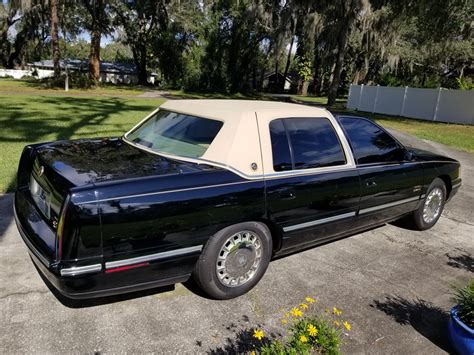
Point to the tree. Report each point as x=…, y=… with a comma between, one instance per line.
x=53, y=7
x=98, y=24
x=348, y=12
x=141, y=21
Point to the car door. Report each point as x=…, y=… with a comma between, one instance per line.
x=391, y=184
x=313, y=188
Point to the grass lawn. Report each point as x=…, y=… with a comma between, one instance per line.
x=27, y=86
x=28, y=119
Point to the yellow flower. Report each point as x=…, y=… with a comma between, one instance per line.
x=296, y=312
x=303, y=306
x=312, y=330
x=303, y=339
x=258, y=334
x=336, y=323
x=310, y=300
x=336, y=311
x=287, y=315
x=284, y=321
x=347, y=325
x=253, y=352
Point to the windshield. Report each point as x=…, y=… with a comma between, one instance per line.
x=176, y=133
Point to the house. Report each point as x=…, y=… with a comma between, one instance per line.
x=115, y=73
x=271, y=79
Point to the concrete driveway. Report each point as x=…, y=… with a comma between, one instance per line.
x=393, y=285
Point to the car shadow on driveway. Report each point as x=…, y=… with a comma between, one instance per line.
x=6, y=213
x=99, y=301
x=426, y=318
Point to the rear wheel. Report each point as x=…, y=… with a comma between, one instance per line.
x=234, y=260
x=430, y=210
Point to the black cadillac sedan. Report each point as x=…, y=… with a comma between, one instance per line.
x=214, y=189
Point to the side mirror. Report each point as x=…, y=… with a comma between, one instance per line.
x=408, y=155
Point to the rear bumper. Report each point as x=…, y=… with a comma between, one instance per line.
x=101, y=284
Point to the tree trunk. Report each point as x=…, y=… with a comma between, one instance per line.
x=341, y=52
x=94, y=56
x=288, y=61
x=304, y=88
x=53, y=4
x=141, y=68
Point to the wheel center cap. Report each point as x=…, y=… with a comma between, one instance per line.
x=240, y=261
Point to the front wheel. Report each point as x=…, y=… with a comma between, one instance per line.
x=234, y=260
x=430, y=210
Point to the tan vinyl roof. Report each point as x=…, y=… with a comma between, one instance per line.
x=224, y=109
x=244, y=140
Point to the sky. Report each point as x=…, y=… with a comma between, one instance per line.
x=103, y=41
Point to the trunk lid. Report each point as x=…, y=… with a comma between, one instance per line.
x=88, y=161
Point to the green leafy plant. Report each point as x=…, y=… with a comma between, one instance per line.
x=306, y=333
x=465, y=83
x=304, y=68
x=464, y=297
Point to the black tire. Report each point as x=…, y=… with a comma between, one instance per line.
x=205, y=272
x=419, y=221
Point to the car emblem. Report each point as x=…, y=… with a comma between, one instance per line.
x=41, y=171
x=254, y=166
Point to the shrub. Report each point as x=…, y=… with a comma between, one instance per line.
x=306, y=333
x=464, y=297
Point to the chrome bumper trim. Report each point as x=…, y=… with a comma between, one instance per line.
x=455, y=186
x=152, y=257
x=80, y=270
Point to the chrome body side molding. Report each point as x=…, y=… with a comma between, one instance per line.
x=388, y=205
x=319, y=221
x=152, y=257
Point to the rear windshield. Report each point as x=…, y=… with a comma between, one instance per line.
x=176, y=133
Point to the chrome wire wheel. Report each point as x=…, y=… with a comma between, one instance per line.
x=433, y=204
x=239, y=259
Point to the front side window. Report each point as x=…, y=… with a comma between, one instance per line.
x=176, y=133
x=369, y=142
x=312, y=143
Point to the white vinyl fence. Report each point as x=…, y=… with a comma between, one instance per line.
x=454, y=106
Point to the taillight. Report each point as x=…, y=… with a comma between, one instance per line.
x=60, y=230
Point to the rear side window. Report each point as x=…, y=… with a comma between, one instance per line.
x=369, y=142
x=280, y=146
x=307, y=142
